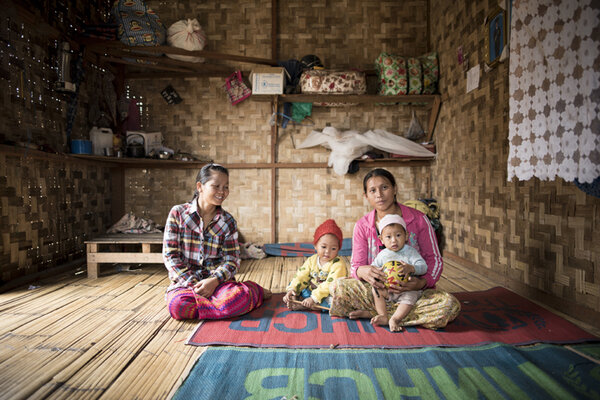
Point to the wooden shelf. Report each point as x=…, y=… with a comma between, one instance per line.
x=416, y=99
x=432, y=101
x=127, y=162
x=154, y=60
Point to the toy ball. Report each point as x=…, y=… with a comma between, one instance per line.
x=392, y=269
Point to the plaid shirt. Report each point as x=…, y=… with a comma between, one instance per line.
x=192, y=253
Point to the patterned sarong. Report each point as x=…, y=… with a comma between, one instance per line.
x=434, y=309
x=230, y=299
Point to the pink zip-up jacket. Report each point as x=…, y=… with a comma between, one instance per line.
x=366, y=244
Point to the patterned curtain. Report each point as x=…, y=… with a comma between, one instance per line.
x=554, y=85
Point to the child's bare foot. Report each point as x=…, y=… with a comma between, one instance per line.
x=395, y=325
x=296, y=306
x=379, y=320
x=267, y=294
x=359, y=314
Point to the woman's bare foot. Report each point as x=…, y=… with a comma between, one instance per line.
x=359, y=314
x=267, y=294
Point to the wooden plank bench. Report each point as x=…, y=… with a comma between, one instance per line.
x=109, y=249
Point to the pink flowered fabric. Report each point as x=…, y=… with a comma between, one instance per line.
x=333, y=82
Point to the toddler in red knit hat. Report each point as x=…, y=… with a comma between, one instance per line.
x=309, y=290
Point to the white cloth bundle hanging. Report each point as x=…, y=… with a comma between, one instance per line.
x=386, y=141
x=345, y=146
x=348, y=145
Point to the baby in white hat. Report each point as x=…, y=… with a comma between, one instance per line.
x=402, y=260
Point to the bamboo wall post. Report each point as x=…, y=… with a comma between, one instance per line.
x=435, y=109
x=274, y=134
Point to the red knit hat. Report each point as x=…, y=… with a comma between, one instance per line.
x=330, y=227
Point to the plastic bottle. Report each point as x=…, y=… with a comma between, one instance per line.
x=101, y=138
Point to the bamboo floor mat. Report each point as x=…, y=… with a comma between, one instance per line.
x=70, y=337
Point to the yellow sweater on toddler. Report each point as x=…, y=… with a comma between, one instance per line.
x=317, y=278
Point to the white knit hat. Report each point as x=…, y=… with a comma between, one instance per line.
x=391, y=219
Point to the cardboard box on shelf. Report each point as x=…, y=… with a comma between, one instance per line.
x=152, y=140
x=267, y=80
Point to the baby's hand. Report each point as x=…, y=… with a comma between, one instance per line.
x=379, y=320
x=406, y=268
x=308, y=302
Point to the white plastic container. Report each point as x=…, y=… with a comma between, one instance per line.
x=101, y=138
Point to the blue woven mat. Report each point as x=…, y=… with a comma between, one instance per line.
x=302, y=249
x=492, y=371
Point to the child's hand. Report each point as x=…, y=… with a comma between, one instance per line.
x=291, y=295
x=308, y=302
x=379, y=320
x=406, y=268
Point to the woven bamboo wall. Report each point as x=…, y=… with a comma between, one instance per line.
x=48, y=208
x=307, y=197
x=48, y=205
x=232, y=27
x=31, y=111
x=351, y=33
x=206, y=125
x=341, y=32
x=536, y=235
x=152, y=192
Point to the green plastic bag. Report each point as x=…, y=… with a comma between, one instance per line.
x=301, y=111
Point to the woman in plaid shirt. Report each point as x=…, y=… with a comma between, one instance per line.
x=202, y=254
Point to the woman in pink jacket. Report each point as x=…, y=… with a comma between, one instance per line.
x=351, y=297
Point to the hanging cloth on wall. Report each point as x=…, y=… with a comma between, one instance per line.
x=554, y=91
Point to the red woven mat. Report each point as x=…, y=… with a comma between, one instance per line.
x=494, y=315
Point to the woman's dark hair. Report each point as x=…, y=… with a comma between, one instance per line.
x=205, y=174
x=379, y=172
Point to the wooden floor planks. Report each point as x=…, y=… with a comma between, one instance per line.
x=112, y=338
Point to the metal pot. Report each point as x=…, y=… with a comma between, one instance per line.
x=134, y=149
